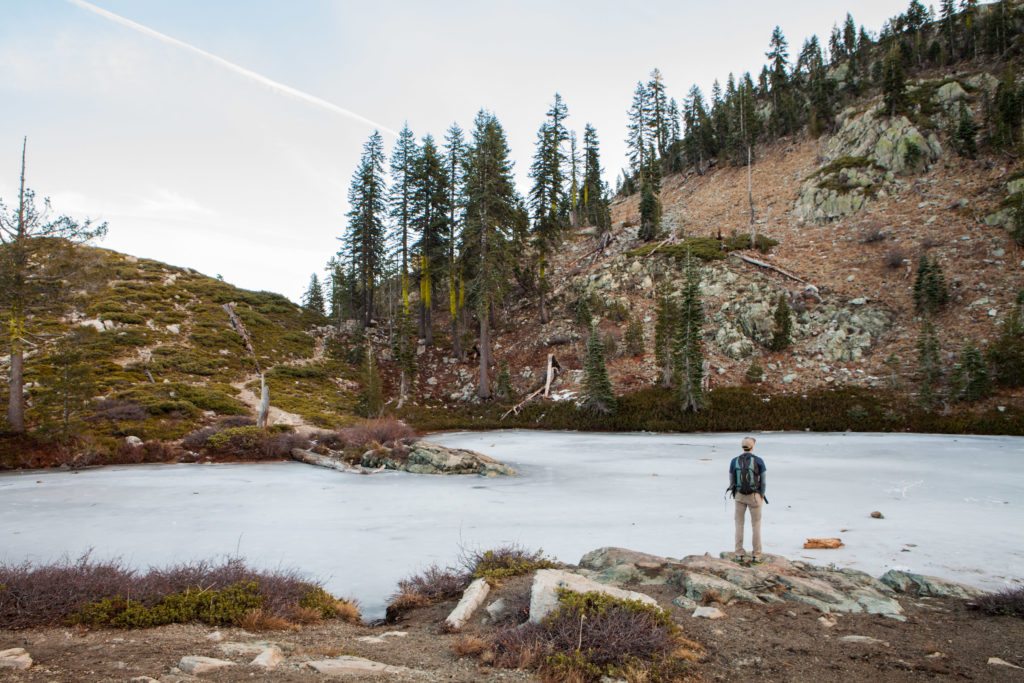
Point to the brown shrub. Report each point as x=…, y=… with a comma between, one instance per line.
x=348, y=611
x=118, y=410
x=470, y=646
x=894, y=259
x=148, y=452
x=872, y=235
x=436, y=583
x=304, y=616
x=1009, y=602
x=261, y=620
x=384, y=431
x=49, y=595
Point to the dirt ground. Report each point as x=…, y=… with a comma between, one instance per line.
x=941, y=640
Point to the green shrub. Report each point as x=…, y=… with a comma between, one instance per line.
x=224, y=607
x=506, y=562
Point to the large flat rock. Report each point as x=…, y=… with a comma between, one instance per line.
x=547, y=583
x=354, y=666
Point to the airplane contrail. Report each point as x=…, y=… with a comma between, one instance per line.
x=231, y=66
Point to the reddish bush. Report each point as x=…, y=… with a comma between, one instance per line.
x=385, y=431
x=48, y=595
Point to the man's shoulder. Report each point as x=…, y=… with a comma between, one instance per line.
x=760, y=461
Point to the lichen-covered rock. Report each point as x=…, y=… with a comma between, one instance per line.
x=950, y=94
x=927, y=586
x=875, y=147
x=431, y=458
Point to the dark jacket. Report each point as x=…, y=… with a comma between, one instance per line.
x=761, y=470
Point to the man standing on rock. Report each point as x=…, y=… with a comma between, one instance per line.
x=747, y=483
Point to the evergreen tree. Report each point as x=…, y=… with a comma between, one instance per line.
x=782, y=119
x=403, y=346
x=894, y=86
x=639, y=137
x=31, y=275
x=593, y=202
x=949, y=28
x=668, y=315
x=455, y=162
x=429, y=215
x=650, y=209
x=930, y=292
x=370, y=402
x=365, y=236
x=492, y=209
x=403, y=160
x=970, y=380
x=547, y=195
x=754, y=373
x=635, y=337
x=65, y=388
x=503, y=389
x=1007, y=353
x=1006, y=113
x=782, y=337
x=313, y=299
x=849, y=35
x=969, y=15
x=699, y=140
x=597, y=395
x=688, y=342
x=659, y=113
x=965, y=133
x=929, y=365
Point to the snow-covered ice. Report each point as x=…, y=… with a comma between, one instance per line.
x=953, y=506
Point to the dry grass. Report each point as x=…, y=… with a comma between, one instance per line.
x=305, y=616
x=262, y=620
x=348, y=611
x=470, y=646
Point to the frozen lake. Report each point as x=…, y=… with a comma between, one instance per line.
x=953, y=506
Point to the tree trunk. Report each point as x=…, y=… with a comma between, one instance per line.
x=16, y=403
x=264, y=409
x=428, y=331
x=485, y=361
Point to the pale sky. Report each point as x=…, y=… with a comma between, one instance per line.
x=229, y=149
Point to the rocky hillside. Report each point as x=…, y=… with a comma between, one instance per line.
x=852, y=212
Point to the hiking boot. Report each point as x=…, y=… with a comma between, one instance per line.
x=757, y=559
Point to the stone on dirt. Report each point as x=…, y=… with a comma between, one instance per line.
x=349, y=665
x=996, y=661
x=707, y=612
x=15, y=658
x=864, y=640
x=472, y=598
x=270, y=658
x=197, y=666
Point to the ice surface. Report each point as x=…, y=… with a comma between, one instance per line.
x=955, y=504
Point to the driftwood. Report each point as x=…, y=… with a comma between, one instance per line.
x=264, y=410
x=552, y=373
x=658, y=246
x=823, y=543
x=762, y=264
x=311, y=458
x=238, y=326
x=603, y=243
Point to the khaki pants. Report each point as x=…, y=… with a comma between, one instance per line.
x=753, y=502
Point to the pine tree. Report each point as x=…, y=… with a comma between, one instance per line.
x=668, y=314
x=455, y=162
x=365, y=236
x=547, y=195
x=28, y=236
x=754, y=373
x=949, y=26
x=929, y=365
x=429, y=215
x=970, y=380
x=782, y=337
x=66, y=386
x=370, y=402
x=597, y=395
x=403, y=159
x=593, y=201
x=634, y=337
x=782, y=119
x=313, y=299
x=930, y=292
x=659, y=121
x=965, y=133
x=639, y=139
x=688, y=344
x=403, y=346
x=1006, y=354
x=503, y=388
x=894, y=85
x=492, y=209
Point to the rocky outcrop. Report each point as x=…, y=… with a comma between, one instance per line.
x=866, y=154
x=421, y=457
x=548, y=582
x=703, y=577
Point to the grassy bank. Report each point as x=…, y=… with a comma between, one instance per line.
x=732, y=409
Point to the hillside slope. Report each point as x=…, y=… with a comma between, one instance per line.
x=852, y=213
x=150, y=352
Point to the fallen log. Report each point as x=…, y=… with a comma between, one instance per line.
x=311, y=458
x=763, y=264
x=823, y=543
